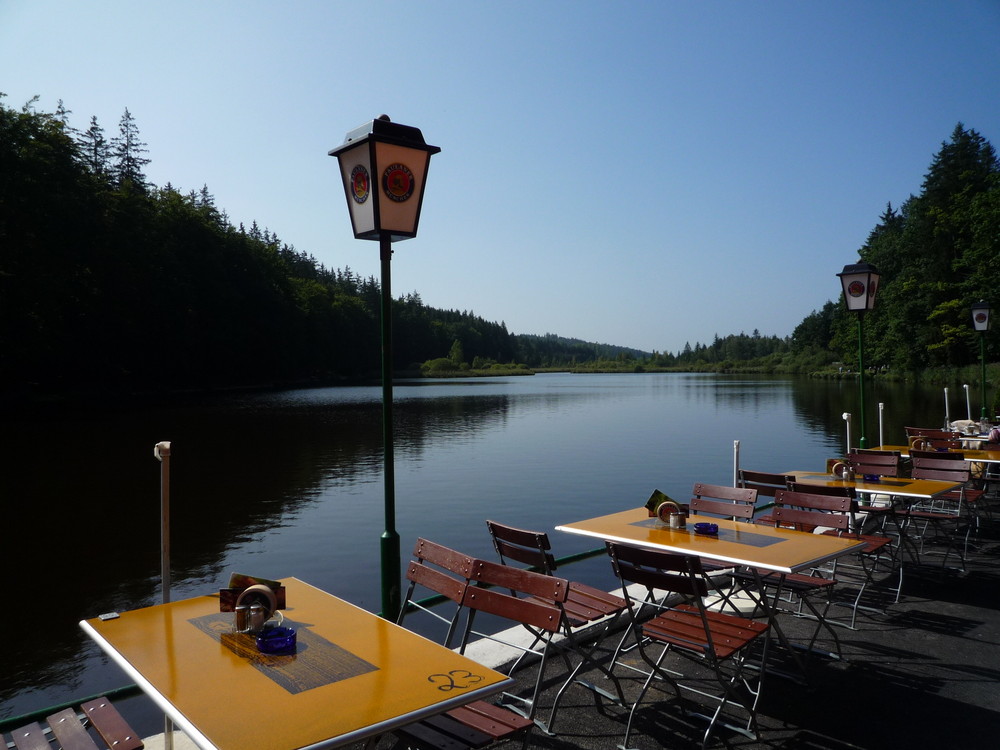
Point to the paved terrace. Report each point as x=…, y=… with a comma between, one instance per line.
x=923, y=674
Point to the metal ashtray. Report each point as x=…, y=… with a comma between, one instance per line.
x=276, y=641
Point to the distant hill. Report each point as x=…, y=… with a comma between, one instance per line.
x=551, y=349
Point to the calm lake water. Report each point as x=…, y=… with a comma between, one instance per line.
x=290, y=484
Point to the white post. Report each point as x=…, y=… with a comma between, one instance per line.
x=162, y=453
x=947, y=417
x=968, y=407
x=847, y=418
x=736, y=463
x=881, y=436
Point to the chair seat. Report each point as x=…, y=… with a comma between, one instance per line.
x=929, y=515
x=683, y=627
x=586, y=603
x=873, y=544
x=476, y=725
x=71, y=734
x=799, y=583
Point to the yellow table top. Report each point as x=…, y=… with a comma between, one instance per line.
x=970, y=454
x=895, y=486
x=738, y=542
x=354, y=674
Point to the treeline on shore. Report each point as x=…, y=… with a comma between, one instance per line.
x=112, y=285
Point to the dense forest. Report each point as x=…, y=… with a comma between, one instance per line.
x=109, y=284
x=112, y=285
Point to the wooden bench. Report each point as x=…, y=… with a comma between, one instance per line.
x=68, y=730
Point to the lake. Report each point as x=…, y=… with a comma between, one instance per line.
x=290, y=484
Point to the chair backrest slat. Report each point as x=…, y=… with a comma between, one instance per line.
x=435, y=580
x=444, y=557
x=518, y=580
x=526, y=611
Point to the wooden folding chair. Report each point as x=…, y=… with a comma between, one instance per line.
x=446, y=572
x=943, y=513
x=766, y=483
x=831, y=510
x=718, y=641
x=536, y=601
x=68, y=730
x=584, y=604
x=738, y=504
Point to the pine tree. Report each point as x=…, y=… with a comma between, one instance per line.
x=95, y=148
x=127, y=150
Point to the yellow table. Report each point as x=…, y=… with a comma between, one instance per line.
x=740, y=543
x=354, y=675
x=970, y=454
x=901, y=487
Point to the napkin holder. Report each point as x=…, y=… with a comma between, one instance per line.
x=667, y=510
x=268, y=592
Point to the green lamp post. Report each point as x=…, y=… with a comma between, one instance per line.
x=981, y=322
x=860, y=283
x=384, y=169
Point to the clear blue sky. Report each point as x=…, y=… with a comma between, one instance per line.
x=643, y=173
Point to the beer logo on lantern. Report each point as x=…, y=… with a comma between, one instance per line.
x=856, y=288
x=397, y=182
x=360, y=183
x=980, y=317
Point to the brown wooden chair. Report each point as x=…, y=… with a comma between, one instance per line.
x=766, y=484
x=584, y=604
x=446, y=572
x=68, y=730
x=947, y=514
x=737, y=504
x=531, y=601
x=721, y=642
x=831, y=510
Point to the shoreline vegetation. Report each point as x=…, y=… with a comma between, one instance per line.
x=145, y=292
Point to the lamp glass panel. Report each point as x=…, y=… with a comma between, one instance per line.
x=873, y=280
x=401, y=175
x=981, y=318
x=359, y=185
x=856, y=291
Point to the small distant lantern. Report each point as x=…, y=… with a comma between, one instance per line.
x=384, y=168
x=860, y=282
x=981, y=316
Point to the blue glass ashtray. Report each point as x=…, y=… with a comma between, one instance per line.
x=706, y=528
x=276, y=641
x=871, y=477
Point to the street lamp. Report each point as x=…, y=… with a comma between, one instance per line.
x=384, y=169
x=860, y=283
x=981, y=322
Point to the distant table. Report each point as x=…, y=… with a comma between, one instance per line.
x=739, y=543
x=354, y=675
x=902, y=487
x=970, y=454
